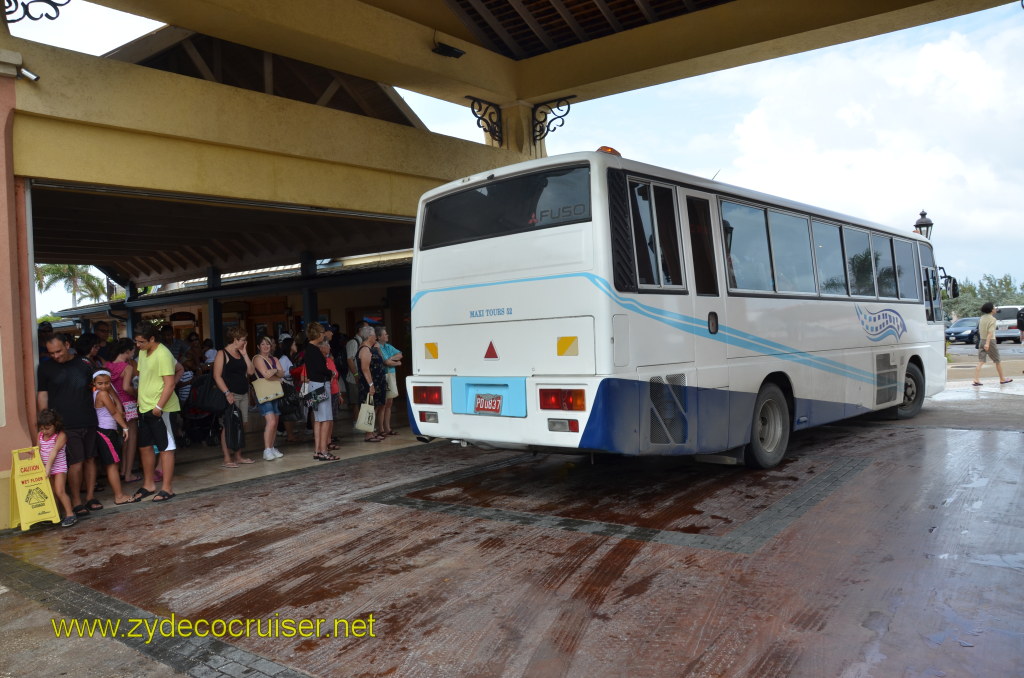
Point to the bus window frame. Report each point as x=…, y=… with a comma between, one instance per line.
x=849, y=283
x=651, y=183
x=842, y=254
x=810, y=241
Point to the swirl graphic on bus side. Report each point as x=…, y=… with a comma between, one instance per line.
x=882, y=324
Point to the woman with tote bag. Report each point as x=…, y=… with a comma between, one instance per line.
x=373, y=383
x=270, y=375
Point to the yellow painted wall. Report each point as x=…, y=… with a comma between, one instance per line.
x=99, y=121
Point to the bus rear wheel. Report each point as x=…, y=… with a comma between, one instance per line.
x=769, y=429
x=913, y=394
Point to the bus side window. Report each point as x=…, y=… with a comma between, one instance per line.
x=705, y=272
x=828, y=255
x=906, y=270
x=644, y=242
x=791, y=253
x=885, y=270
x=747, y=253
x=668, y=237
x=858, y=262
x=932, y=295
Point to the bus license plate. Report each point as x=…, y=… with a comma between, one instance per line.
x=487, y=403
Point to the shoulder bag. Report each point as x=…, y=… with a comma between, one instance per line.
x=267, y=389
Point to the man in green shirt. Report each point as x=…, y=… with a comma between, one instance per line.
x=988, y=347
x=156, y=399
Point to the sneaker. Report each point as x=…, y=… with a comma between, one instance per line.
x=68, y=521
x=277, y=452
x=268, y=455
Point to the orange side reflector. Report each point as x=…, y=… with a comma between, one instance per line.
x=430, y=351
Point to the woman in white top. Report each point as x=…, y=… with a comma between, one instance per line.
x=286, y=357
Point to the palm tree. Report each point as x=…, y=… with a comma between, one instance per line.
x=77, y=281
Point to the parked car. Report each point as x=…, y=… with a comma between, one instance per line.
x=965, y=330
x=1006, y=324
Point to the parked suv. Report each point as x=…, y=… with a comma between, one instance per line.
x=1006, y=324
x=965, y=330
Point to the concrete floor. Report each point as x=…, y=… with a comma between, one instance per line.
x=876, y=549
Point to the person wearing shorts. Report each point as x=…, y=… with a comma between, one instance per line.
x=319, y=376
x=156, y=399
x=988, y=347
x=65, y=385
x=231, y=371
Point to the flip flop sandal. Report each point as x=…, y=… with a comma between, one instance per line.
x=141, y=494
x=162, y=496
x=977, y=383
x=1006, y=381
x=93, y=505
x=80, y=511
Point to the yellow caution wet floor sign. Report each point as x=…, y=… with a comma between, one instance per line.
x=31, y=494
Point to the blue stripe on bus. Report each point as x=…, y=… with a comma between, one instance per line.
x=695, y=326
x=706, y=414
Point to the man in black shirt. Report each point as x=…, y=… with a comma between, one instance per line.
x=1020, y=323
x=65, y=385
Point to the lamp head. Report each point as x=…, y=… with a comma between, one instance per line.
x=446, y=50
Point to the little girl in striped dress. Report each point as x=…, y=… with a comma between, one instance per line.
x=53, y=450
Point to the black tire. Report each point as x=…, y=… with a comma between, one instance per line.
x=1017, y=340
x=913, y=394
x=769, y=429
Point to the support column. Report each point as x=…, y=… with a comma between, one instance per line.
x=17, y=299
x=309, y=306
x=215, y=320
x=517, y=133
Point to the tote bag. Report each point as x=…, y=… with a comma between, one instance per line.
x=206, y=396
x=311, y=397
x=366, y=419
x=392, y=385
x=267, y=390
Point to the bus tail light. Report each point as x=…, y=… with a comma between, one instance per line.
x=426, y=395
x=428, y=417
x=564, y=425
x=563, y=399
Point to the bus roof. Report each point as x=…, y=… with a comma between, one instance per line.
x=605, y=160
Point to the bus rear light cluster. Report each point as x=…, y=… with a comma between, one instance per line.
x=427, y=395
x=574, y=399
x=564, y=425
x=428, y=417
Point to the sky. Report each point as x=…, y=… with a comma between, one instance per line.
x=926, y=118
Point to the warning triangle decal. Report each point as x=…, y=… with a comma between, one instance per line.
x=491, y=353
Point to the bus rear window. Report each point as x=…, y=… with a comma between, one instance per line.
x=516, y=205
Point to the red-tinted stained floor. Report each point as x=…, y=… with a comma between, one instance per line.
x=908, y=566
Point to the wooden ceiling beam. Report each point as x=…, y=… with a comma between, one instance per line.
x=534, y=25
x=495, y=25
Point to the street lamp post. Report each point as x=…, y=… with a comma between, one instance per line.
x=924, y=225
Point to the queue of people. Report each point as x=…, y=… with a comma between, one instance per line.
x=106, y=404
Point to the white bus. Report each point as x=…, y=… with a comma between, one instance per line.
x=587, y=302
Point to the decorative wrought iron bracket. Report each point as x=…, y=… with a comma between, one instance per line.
x=556, y=109
x=34, y=10
x=488, y=118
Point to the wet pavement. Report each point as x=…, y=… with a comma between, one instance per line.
x=876, y=549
